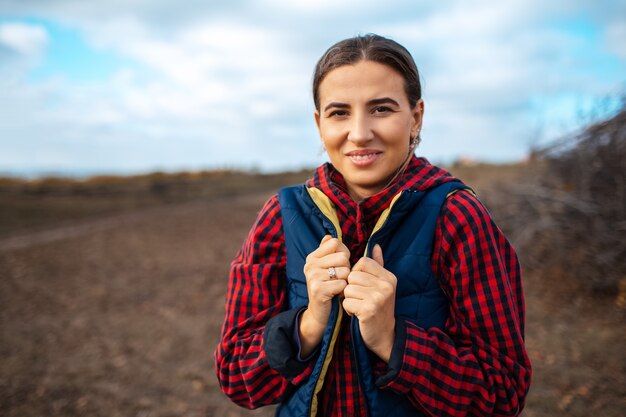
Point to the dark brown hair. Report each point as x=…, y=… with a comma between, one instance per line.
x=373, y=48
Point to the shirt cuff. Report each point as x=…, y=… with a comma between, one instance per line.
x=298, y=343
x=281, y=350
x=385, y=374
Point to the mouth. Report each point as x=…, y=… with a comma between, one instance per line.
x=363, y=157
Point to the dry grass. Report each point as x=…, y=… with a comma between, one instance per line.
x=27, y=205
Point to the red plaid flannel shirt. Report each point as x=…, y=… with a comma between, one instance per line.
x=477, y=365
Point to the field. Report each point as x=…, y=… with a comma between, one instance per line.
x=112, y=294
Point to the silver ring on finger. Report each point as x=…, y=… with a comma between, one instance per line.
x=332, y=272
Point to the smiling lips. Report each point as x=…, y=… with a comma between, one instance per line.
x=363, y=157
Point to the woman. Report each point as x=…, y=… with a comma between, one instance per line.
x=382, y=286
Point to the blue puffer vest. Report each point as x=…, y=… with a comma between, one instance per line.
x=405, y=233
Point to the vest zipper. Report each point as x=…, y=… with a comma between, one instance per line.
x=380, y=223
x=326, y=208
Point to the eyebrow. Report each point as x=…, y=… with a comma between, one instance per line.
x=374, y=102
x=384, y=100
x=337, y=105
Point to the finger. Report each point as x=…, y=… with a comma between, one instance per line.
x=351, y=306
x=327, y=289
x=370, y=275
x=342, y=273
x=368, y=265
x=377, y=255
x=361, y=278
x=335, y=287
x=333, y=259
x=316, y=266
x=336, y=244
x=356, y=292
x=323, y=273
x=327, y=246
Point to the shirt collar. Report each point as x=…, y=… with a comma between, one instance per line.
x=419, y=175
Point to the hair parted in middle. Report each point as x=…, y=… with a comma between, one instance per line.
x=370, y=47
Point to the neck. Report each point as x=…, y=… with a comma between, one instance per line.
x=359, y=194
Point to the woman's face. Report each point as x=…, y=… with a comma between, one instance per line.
x=365, y=123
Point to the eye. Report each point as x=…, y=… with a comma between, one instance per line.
x=382, y=109
x=338, y=113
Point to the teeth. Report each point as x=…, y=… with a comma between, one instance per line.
x=361, y=157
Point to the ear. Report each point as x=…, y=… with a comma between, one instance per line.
x=418, y=116
x=316, y=114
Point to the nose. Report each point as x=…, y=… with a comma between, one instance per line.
x=360, y=129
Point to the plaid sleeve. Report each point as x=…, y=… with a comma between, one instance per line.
x=478, y=364
x=256, y=293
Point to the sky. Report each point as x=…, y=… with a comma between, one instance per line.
x=132, y=86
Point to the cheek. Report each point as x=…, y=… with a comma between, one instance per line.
x=331, y=136
x=399, y=135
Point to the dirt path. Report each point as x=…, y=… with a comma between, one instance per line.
x=119, y=316
x=90, y=226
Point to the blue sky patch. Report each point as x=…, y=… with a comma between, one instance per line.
x=69, y=55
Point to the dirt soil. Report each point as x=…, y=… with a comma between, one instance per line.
x=119, y=316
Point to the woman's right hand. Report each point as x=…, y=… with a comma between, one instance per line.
x=321, y=289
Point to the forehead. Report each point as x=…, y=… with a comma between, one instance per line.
x=363, y=81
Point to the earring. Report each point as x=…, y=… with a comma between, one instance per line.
x=414, y=141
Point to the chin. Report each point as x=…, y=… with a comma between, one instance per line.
x=371, y=185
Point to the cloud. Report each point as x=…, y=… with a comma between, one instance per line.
x=22, y=47
x=25, y=39
x=616, y=38
x=487, y=68
x=213, y=94
x=229, y=84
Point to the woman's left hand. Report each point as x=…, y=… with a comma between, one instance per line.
x=370, y=295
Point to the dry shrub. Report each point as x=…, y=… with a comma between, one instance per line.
x=569, y=216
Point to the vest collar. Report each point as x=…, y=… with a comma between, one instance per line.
x=419, y=175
